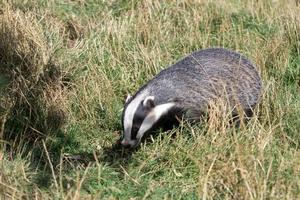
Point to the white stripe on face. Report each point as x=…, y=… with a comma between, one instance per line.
x=152, y=118
x=129, y=114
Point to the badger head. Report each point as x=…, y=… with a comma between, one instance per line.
x=139, y=117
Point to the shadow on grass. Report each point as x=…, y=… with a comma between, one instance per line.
x=116, y=155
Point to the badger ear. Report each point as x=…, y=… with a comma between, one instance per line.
x=149, y=102
x=128, y=98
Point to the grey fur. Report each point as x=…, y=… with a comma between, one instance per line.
x=203, y=76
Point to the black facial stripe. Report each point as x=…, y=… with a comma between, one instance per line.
x=166, y=121
x=138, y=118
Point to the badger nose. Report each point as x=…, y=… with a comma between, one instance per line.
x=125, y=144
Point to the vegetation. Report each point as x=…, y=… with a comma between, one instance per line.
x=67, y=65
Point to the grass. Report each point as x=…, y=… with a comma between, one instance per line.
x=108, y=49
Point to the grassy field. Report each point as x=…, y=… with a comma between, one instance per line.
x=57, y=138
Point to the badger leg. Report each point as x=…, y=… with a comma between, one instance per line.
x=237, y=119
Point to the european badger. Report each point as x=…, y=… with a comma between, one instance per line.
x=185, y=90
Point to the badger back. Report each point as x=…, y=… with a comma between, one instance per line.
x=207, y=75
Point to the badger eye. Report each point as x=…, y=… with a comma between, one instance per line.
x=135, y=129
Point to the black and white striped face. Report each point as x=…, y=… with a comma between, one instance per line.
x=139, y=116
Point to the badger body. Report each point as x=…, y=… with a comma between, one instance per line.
x=186, y=88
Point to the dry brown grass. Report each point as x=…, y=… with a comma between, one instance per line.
x=34, y=98
x=24, y=50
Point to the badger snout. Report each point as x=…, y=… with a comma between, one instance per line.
x=129, y=144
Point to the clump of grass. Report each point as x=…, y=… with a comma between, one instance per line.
x=15, y=175
x=23, y=50
x=34, y=92
x=32, y=99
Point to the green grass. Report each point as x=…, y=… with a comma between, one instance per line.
x=109, y=49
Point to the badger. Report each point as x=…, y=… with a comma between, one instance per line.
x=185, y=89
